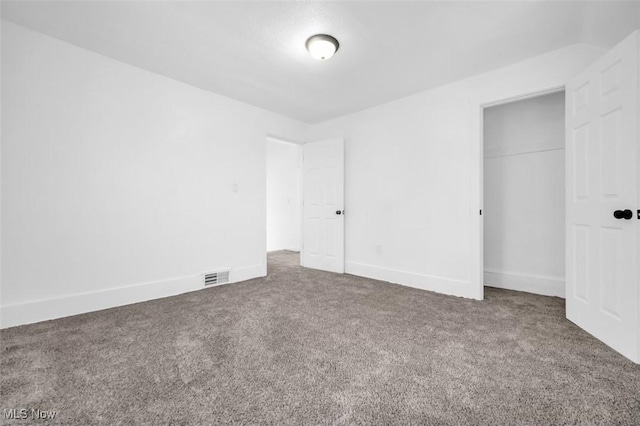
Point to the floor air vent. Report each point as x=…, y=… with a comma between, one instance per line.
x=216, y=278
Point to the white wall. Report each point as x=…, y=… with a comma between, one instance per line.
x=284, y=195
x=413, y=176
x=524, y=195
x=117, y=183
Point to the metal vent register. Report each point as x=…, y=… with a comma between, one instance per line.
x=216, y=278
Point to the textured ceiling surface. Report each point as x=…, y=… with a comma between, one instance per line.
x=254, y=51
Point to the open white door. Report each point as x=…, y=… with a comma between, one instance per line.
x=602, y=157
x=323, y=207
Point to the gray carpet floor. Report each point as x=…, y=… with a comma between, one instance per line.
x=310, y=347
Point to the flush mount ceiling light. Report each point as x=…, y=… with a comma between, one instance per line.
x=322, y=46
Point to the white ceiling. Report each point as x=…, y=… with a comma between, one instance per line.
x=254, y=51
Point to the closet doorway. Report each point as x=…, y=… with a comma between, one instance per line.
x=524, y=194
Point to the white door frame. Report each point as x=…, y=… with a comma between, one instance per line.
x=482, y=106
x=278, y=139
x=301, y=144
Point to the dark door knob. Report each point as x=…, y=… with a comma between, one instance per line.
x=338, y=211
x=623, y=214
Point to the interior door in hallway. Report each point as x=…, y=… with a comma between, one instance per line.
x=603, y=235
x=323, y=206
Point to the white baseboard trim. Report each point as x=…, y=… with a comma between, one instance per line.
x=248, y=272
x=538, y=284
x=80, y=303
x=411, y=279
x=287, y=248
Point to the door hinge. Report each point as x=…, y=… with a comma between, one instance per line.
x=638, y=214
x=481, y=212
